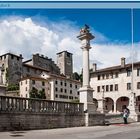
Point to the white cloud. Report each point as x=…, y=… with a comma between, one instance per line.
x=23, y=35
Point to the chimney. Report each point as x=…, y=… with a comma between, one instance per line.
x=94, y=67
x=122, y=62
x=20, y=55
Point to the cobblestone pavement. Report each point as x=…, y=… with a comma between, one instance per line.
x=116, y=131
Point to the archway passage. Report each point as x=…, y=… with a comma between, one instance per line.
x=138, y=102
x=96, y=103
x=121, y=103
x=109, y=105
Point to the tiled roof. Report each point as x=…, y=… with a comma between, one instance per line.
x=114, y=68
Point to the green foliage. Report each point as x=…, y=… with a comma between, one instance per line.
x=75, y=101
x=12, y=87
x=77, y=76
x=34, y=93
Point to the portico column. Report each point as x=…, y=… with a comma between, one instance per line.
x=115, y=107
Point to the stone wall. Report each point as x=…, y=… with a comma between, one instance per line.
x=18, y=113
x=96, y=119
x=29, y=121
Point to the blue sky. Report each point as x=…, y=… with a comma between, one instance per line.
x=113, y=23
x=51, y=30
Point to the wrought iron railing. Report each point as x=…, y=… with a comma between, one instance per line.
x=19, y=104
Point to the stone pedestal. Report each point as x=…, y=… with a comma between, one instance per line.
x=86, y=97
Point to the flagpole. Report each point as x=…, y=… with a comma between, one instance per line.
x=132, y=47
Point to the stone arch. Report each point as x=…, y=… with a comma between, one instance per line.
x=95, y=101
x=109, y=105
x=121, y=103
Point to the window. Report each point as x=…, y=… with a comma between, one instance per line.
x=21, y=83
x=111, y=87
x=78, y=93
x=26, y=89
x=65, y=90
x=76, y=86
x=70, y=97
x=128, y=72
x=116, y=87
x=70, y=91
x=61, y=83
x=56, y=95
x=43, y=83
x=56, y=89
x=107, y=89
x=65, y=84
x=56, y=82
x=26, y=81
x=70, y=85
x=138, y=72
x=61, y=90
x=98, y=88
x=43, y=89
x=98, y=77
x=138, y=85
x=33, y=82
x=103, y=88
x=116, y=75
x=17, y=58
x=128, y=86
x=26, y=95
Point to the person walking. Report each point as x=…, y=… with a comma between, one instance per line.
x=125, y=115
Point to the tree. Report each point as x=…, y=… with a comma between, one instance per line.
x=76, y=76
x=12, y=87
x=34, y=93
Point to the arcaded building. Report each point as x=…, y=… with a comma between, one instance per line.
x=114, y=85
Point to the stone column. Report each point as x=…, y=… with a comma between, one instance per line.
x=86, y=92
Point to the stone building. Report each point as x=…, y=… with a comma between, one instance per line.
x=65, y=63
x=11, y=68
x=113, y=85
x=40, y=61
x=28, y=84
x=56, y=87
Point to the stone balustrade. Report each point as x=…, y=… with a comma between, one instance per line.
x=18, y=104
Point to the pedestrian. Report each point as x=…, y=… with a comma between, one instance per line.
x=125, y=115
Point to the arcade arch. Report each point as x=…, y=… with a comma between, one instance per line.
x=121, y=103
